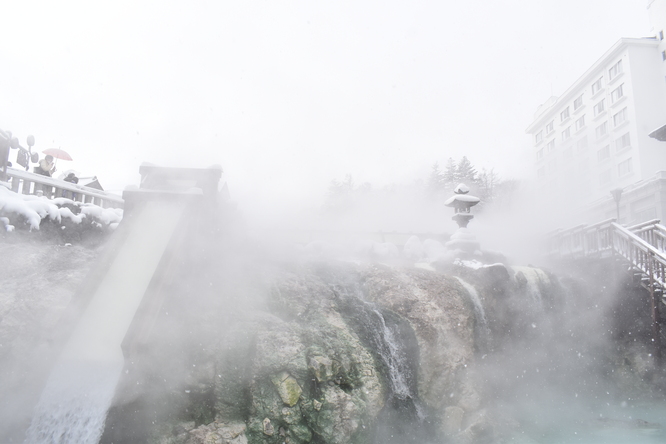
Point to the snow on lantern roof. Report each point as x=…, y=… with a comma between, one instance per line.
x=462, y=200
x=461, y=189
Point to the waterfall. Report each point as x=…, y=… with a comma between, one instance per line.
x=395, y=358
x=479, y=312
x=533, y=279
x=73, y=406
x=385, y=335
x=393, y=342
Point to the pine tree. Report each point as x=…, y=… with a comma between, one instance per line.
x=340, y=194
x=450, y=174
x=488, y=181
x=435, y=182
x=466, y=172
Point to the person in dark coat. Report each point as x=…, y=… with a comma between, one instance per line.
x=71, y=177
x=46, y=167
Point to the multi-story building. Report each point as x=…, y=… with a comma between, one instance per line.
x=594, y=138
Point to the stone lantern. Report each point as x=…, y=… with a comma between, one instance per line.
x=461, y=202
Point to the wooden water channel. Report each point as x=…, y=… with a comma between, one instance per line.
x=643, y=246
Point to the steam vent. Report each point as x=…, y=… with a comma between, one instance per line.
x=462, y=202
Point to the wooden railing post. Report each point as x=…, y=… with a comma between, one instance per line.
x=654, y=303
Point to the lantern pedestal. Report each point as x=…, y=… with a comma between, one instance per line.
x=463, y=240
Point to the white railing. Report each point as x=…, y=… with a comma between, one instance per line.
x=651, y=232
x=582, y=240
x=642, y=245
x=643, y=256
x=25, y=182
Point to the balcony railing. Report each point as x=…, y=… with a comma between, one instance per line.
x=25, y=182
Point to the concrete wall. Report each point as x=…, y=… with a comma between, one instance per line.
x=649, y=89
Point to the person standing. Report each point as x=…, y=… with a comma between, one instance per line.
x=46, y=167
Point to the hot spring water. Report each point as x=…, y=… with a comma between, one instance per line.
x=80, y=388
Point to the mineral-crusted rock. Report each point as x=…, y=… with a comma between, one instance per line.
x=287, y=388
x=453, y=417
x=268, y=427
x=218, y=433
x=443, y=322
x=338, y=417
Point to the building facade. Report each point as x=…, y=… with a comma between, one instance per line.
x=594, y=138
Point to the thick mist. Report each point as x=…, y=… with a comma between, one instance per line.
x=545, y=352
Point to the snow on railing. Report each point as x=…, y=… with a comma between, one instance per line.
x=640, y=253
x=652, y=232
x=24, y=182
x=642, y=244
x=582, y=240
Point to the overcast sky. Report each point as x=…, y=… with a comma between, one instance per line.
x=287, y=96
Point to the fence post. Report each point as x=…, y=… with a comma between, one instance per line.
x=654, y=303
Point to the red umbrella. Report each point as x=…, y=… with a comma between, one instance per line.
x=58, y=153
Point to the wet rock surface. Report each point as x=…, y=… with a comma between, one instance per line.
x=337, y=352
x=301, y=364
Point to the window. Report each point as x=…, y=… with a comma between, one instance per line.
x=550, y=127
x=624, y=168
x=615, y=70
x=567, y=154
x=603, y=153
x=539, y=137
x=580, y=123
x=581, y=145
x=564, y=115
x=602, y=130
x=617, y=93
x=550, y=146
x=620, y=117
x=661, y=35
x=663, y=55
x=566, y=133
x=605, y=177
x=578, y=102
x=596, y=86
x=540, y=154
x=622, y=143
x=599, y=107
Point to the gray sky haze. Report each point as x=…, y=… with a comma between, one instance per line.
x=287, y=96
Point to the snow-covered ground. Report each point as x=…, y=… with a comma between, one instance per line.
x=30, y=210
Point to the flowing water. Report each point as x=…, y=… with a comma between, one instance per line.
x=480, y=313
x=385, y=336
x=615, y=424
x=535, y=279
x=73, y=406
x=394, y=343
x=79, y=391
